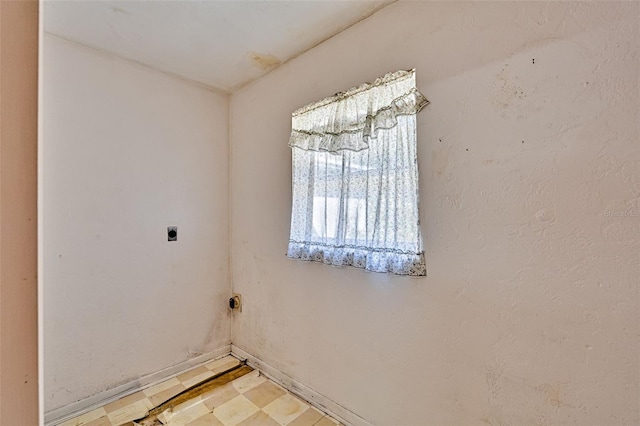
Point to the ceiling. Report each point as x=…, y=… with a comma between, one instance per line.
x=221, y=44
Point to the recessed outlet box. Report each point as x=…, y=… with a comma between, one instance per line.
x=235, y=302
x=172, y=233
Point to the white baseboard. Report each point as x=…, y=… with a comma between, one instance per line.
x=75, y=409
x=316, y=399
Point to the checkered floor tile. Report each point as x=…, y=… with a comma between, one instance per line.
x=250, y=400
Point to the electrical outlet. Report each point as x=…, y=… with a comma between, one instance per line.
x=172, y=233
x=235, y=302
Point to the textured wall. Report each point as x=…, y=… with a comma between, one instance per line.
x=18, y=213
x=128, y=151
x=529, y=162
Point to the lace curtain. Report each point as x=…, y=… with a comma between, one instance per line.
x=355, y=178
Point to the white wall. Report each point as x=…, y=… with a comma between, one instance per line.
x=128, y=151
x=529, y=313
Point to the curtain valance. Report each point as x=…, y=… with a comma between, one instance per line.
x=348, y=120
x=355, y=178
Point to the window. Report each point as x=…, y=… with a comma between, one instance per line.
x=355, y=178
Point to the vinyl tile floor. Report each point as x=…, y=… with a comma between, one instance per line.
x=248, y=400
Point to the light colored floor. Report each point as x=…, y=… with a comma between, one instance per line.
x=250, y=400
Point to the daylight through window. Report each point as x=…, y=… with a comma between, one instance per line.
x=355, y=178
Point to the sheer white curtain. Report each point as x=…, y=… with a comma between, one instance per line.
x=355, y=178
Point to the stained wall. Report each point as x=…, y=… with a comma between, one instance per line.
x=529, y=183
x=128, y=151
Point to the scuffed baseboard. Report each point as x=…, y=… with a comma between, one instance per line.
x=75, y=409
x=316, y=399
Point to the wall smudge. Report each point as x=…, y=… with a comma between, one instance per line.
x=264, y=62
